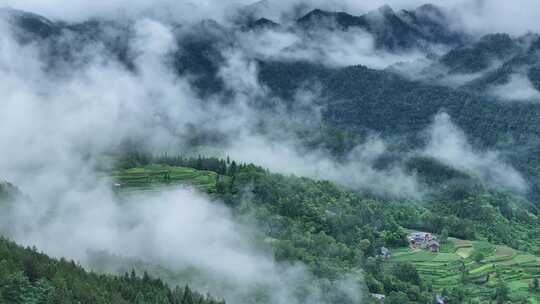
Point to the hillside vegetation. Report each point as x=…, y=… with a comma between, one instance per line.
x=335, y=231
x=406, y=121
x=28, y=276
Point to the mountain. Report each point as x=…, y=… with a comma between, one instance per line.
x=323, y=225
x=433, y=23
x=262, y=23
x=393, y=31
x=489, y=50
x=523, y=61
x=355, y=98
x=30, y=26
x=358, y=97
x=8, y=192
x=335, y=230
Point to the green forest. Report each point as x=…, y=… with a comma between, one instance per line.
x=336, y=231
x=28, y=276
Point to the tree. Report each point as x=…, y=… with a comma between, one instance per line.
x=17, y=289
x=444, y=235
x=232, y=169
x=463, y=270
x=478, y=256
x=365, y=244
x=199, y=163
x=397, y=298
x=373, y=284
x=501, y=292
x=374, y=266
x=221, y=186
x=534, y=285
x=65, y=282
x=188, y=296
x=44, y=290
x=406, y=272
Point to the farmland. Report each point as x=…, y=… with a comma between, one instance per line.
x=157, y=177
x=456, y=265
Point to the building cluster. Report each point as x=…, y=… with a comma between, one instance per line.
x=424, y=240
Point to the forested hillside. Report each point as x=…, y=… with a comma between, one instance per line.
x=28, y=276
x=335, y=231
x=275, y=152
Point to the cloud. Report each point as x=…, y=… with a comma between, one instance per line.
x=492, y=16
x=518, y=88
x=331, y=47
x=80, y=10
x=96, y=107
x=357, y=171
x=179, y=229
x=58, y=127
x=268, y=137
x=449, y=144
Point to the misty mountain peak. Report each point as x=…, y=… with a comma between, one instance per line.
x=535, y=45
x=25, y=24
x=8, y=191
x=315, y=14
x=262, y=23
x=386, y=10
x=430, y=9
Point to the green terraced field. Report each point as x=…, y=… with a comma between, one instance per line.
x=158, y=177
x=443, y=270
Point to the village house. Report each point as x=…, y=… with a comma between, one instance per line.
x=433, y=246
x=439, y=299
x=385, y=253
x=424, y=240
x=379, y=297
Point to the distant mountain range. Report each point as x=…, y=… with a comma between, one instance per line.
x=394, y=31
x=462, y=76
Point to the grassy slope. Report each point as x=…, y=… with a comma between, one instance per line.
x=154, y=178
x=443, y=269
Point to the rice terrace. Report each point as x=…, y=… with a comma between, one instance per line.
x=478, y=264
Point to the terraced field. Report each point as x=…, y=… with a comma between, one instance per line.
x=157, y=177
x=455, y=264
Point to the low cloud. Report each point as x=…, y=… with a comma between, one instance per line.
x=277, y=146
x=178, y=229
x=357, y=170
x=492, y=16
x=518, y=88
x=335, y=48
x=449, y=144
x=57, y=129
